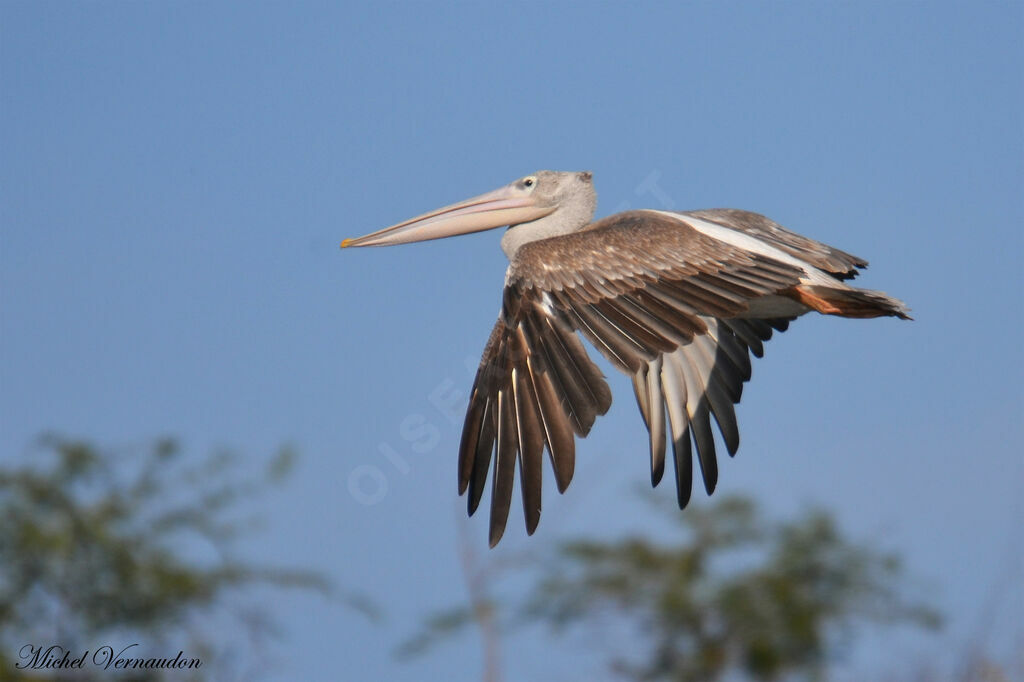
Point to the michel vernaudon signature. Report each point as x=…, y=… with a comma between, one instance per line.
x=106, y=657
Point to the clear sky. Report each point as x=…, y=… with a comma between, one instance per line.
x=175, y=178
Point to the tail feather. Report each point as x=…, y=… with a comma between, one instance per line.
x=849, y=302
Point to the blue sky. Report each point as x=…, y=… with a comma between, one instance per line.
x=175, y=179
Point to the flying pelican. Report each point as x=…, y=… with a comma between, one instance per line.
x=675, y=300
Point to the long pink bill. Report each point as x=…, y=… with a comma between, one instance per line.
x=508, y=205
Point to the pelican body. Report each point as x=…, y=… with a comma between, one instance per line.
x=678, y=301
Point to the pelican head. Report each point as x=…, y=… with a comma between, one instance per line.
x=536, y=206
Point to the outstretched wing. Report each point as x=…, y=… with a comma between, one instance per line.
x=839, y=264
x=664, y=301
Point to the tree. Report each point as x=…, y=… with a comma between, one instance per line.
x=733, y=598
x=91, y=553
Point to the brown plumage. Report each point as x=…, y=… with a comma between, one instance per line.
x=664, y=303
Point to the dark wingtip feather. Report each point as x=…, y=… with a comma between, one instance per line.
x=532, y=520
x=647, y=389
x=657, y=471
x=682, y=456
x=564, y=473
x=530, y=437
x=504, y=468
x=705, y=448
x=558, y=434
x=482, y=460
x=494, y=535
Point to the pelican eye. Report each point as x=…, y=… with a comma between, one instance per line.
x=529, y=182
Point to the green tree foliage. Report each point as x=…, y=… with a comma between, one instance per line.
x=733, y=597
x=99, y=546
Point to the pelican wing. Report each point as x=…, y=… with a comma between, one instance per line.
x=838, y=263
x=667, y=303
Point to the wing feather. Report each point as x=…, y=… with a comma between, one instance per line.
x=555, y=360
x=558, y=433
x=647, y=386
x=504, y=467
x=674, y=387
x=531, y=447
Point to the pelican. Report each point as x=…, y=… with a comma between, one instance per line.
x=676, y=300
